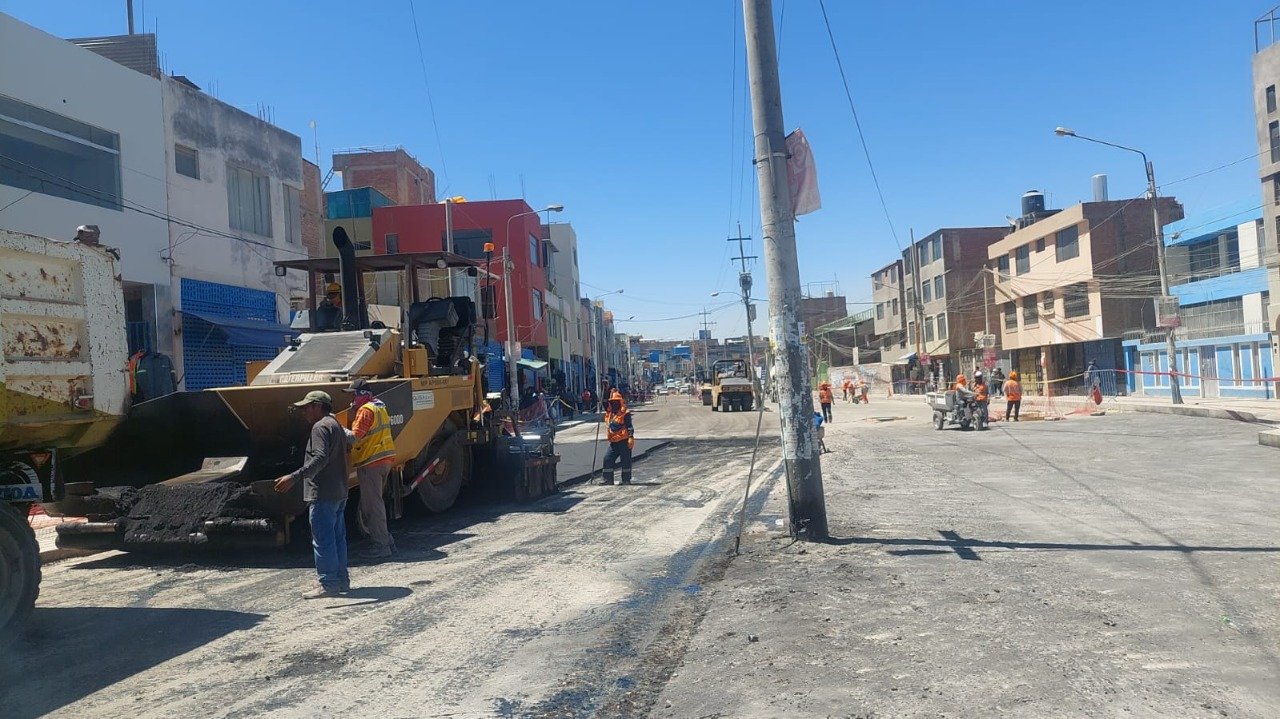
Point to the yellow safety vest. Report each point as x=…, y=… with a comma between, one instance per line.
x=377, y=444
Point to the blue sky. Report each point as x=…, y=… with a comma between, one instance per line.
x=633, y=115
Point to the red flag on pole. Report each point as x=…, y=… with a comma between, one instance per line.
x=802, y=175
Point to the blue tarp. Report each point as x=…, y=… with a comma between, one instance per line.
x=254, y=333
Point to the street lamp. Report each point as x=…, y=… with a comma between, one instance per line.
x=600, y=343
x=512, y=376
x=1171, y=347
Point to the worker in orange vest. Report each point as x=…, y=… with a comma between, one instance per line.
x=847, y=386
x=1013, y=395
x=864, y=390
x=825, y=398
x=622, y=438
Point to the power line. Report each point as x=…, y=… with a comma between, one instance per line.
x=422, y=62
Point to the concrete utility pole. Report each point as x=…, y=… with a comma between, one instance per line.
x=744, y=282
x=913, y=257
x=706, y=341
x=799, y=450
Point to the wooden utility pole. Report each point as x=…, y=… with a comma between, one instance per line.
x=799, y=450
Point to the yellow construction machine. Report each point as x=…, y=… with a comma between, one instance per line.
x=197, y=467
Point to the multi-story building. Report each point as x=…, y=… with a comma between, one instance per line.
x=563, y=283
x=200, y=197
x=945, y=270
x=1216, y=271
x=820, y=305
x=888, y=293
x=1266, y=78
x=391, y=170
x=1070, y=284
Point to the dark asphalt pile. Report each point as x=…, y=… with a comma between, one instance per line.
x=174, y=513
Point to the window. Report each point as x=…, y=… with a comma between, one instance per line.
x=186, y=161
x=926, y=291
x=1046, y=303
x=537, y=304
x=469, y=243
x=928, y=329
x=553, y=327
x=292, y=214
x=1271, y=98
x=534, y=249
x=1002, y=267
x=923, y=250
x=1273, y=132
x=880, y=311
x=54, y=155
x=1233, y=252
x=1067, y=243
x=1075, y=300
x=911, y=332
x=1262, y=241
x=1203, y=259
x=1024, y=259
x=895, y=306
x=392, y=241
x=1010, y=316
x=249, y=201
x=937, y=288
x=1040, y=245
x=942, y=327
x=937, y=249
x=1030, y=312
x=1275, y=189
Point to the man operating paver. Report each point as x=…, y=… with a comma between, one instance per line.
x=373, y=455
x=324, y=489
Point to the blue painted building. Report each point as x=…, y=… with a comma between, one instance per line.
x=1216, y=271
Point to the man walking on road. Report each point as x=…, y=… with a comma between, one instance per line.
x=622, y=438
x=825, y=398
x=373, y=455
x=324, y=489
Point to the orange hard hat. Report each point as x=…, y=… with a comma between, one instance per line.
x=1013, y=375
x=615, y=395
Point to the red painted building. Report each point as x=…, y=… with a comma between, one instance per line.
x=421, y=228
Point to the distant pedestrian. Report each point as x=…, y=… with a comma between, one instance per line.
x=324, y=489
x=373, y=456
x=1092, y=376
x=820, y=432
x=997, y=381
x=864, y=390
x=1013, y=397
x=825, y=398
x=847, y=386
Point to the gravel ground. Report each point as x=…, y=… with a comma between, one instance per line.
x=1125, y=565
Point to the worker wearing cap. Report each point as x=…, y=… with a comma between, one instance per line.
x=622, y=438
x=324, y=489
x=373, y=455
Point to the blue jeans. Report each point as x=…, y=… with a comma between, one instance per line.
x=329, y=541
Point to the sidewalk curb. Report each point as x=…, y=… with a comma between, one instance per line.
x=578, y=479
x=1211, y=412
x=1269, y=438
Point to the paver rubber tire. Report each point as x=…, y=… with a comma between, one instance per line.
x=939, y=420
x=440, y=489
x=19, y=570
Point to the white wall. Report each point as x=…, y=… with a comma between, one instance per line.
x=51, y=73
x=223, y=134
x=566, y=280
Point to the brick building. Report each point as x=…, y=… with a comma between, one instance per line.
x=392, y=171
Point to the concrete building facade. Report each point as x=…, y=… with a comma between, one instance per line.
x=1069, y=287
x=1266, y=85
x=888, y=292
x=563, y=284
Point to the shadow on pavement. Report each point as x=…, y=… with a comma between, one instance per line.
x=371, y=595
x=964, y=547
x=66, y=654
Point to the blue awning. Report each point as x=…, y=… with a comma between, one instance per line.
x=249, y=332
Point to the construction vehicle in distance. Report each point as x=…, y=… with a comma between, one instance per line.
x=730, y=388
x=63, y=386
x=197, y=468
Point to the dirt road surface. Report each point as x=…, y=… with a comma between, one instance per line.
x=576, y=605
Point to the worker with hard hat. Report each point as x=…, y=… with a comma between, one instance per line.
x=1013, y=395
x=622, y=438
x=825, y=398
x=373, y=456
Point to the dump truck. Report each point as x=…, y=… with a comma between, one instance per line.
x=197, y=468
x=63, y=386
x=730, y=389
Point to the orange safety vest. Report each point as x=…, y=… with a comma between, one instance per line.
x=980, y=391
x=377, y=444
x=1012, y=390
x=825, y=396
x=621, y=433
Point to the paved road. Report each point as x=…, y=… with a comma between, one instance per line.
x=1126, y=565
x=575, y=604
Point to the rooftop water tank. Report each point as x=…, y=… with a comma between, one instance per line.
x=1032, y=202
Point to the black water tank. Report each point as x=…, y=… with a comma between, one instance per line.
x=1032, y=202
